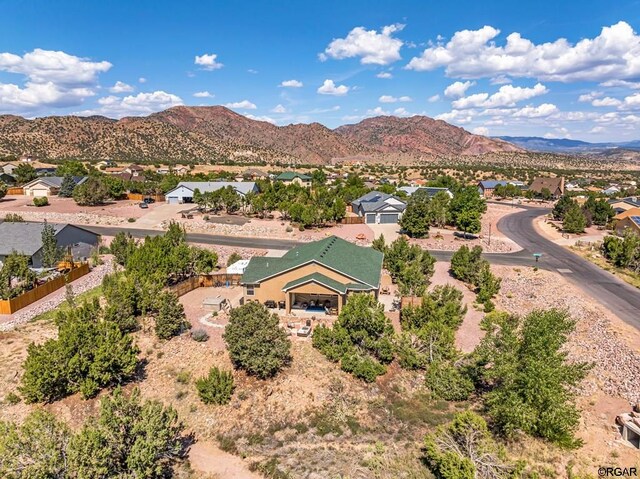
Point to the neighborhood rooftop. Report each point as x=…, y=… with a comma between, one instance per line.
x=23, y=237
x=362, y=264
x=242, y=187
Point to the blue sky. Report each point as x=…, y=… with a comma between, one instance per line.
x=556, y=69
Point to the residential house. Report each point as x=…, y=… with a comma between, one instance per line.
x=26, y=238
x=630, y=223
x=8, y=168
x=487, y=187
x=294, y=178
x=183, y=193
x=626, y=213
x=28, y=158
x=377, y=207
x=48, y=185
x=101, y=165
x=430, y=190
x=316, y=277
x=45, y=171
x=623, y=204
x=134, y=170
x=7, y=179
x=554, y=184
x=611, y=190
x=255, y=174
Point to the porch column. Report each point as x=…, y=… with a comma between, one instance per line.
x=287, y=302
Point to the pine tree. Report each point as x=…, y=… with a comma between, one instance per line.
x=67, y=186
x=50, y=250
x=574, y=220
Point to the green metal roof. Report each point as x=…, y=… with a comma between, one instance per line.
x=290, y=175
x=318, y=278
x=363, y=265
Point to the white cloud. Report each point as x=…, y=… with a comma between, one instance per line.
x=500, y=80
x=632, y=101
x=140, y=104
x=291, y=84
x=612, y=55
x=203, y=94
x=606, y=101
x=393, y=99
x=252, y=71
x=142, y=80
x=385, y=75
x=539, y=111
x=208, y=61
x=279, y=109
x=458, y=89
x=268, y=119
x=369, y=45
x=480, y=130
x=121, y=87
x=589, y=97
x=401, y=112
x=52, y=79
x=597, y=129
x=507, y=95
x=242, y=105
x=378, y=111
x=330, y=88
x=621, y=84
x=434, y=98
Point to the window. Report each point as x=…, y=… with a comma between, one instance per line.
x=250, y=290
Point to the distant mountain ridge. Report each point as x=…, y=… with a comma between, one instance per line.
x=566, y=145
x=215, y=133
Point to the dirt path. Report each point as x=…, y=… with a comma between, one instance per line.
x=205, y=458
x=469, y=334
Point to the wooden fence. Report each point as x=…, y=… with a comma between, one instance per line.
x=10, y=306
x=15, y=191
x=141, y=197
x=352, y=220
x=410, y=301
x=204, y=281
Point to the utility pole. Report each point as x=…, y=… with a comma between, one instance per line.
x=489, y=234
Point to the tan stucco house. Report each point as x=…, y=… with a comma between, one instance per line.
x=294, y=178
x=317, y=276
x=48, y=185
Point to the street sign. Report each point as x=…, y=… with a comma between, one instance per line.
x=537, y=256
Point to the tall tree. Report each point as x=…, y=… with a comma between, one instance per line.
x=574, y=220
x=50, y=250
x=67, y=187
x=24, y=173
x=532, y=384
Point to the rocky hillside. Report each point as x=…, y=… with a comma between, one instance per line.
x=421, y=135
x=204, y=134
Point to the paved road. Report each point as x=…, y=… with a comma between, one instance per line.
x=616, y=295
x=203, y=238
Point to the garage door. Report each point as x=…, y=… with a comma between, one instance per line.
x=172, y=200
x=370, y=218
x=39, y=193
x=388, y=218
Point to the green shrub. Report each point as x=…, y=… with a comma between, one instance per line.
x=233, y=257
x=170, y=320
x=42, y=201
x=13, y=218
x=199, y=335
x=447, y=382
x=362, y=367
x=216, y=388
x=255, y=341
x=12, y=398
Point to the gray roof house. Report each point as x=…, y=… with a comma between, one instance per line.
x=183, y=193
x=48, y=185
x=377, y=207
x=8, y=168
x=26, y=238
x=431, y=190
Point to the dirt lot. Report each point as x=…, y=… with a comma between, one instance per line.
x=65, y=210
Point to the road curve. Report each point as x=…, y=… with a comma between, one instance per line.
x=619, y=297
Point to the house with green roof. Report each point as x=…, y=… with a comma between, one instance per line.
x=293, y=177
x=317, y=276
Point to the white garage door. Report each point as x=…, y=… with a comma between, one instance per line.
x=370, y=218
x=172, y=200
x=39, y=193
x=388, y=218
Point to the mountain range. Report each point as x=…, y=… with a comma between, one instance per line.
x=203, y=134
x=565, y=145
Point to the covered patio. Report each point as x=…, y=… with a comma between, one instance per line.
x=315, y=293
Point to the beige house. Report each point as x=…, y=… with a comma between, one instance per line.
x=315, y=277
x=48, y=185
x=294, y=178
